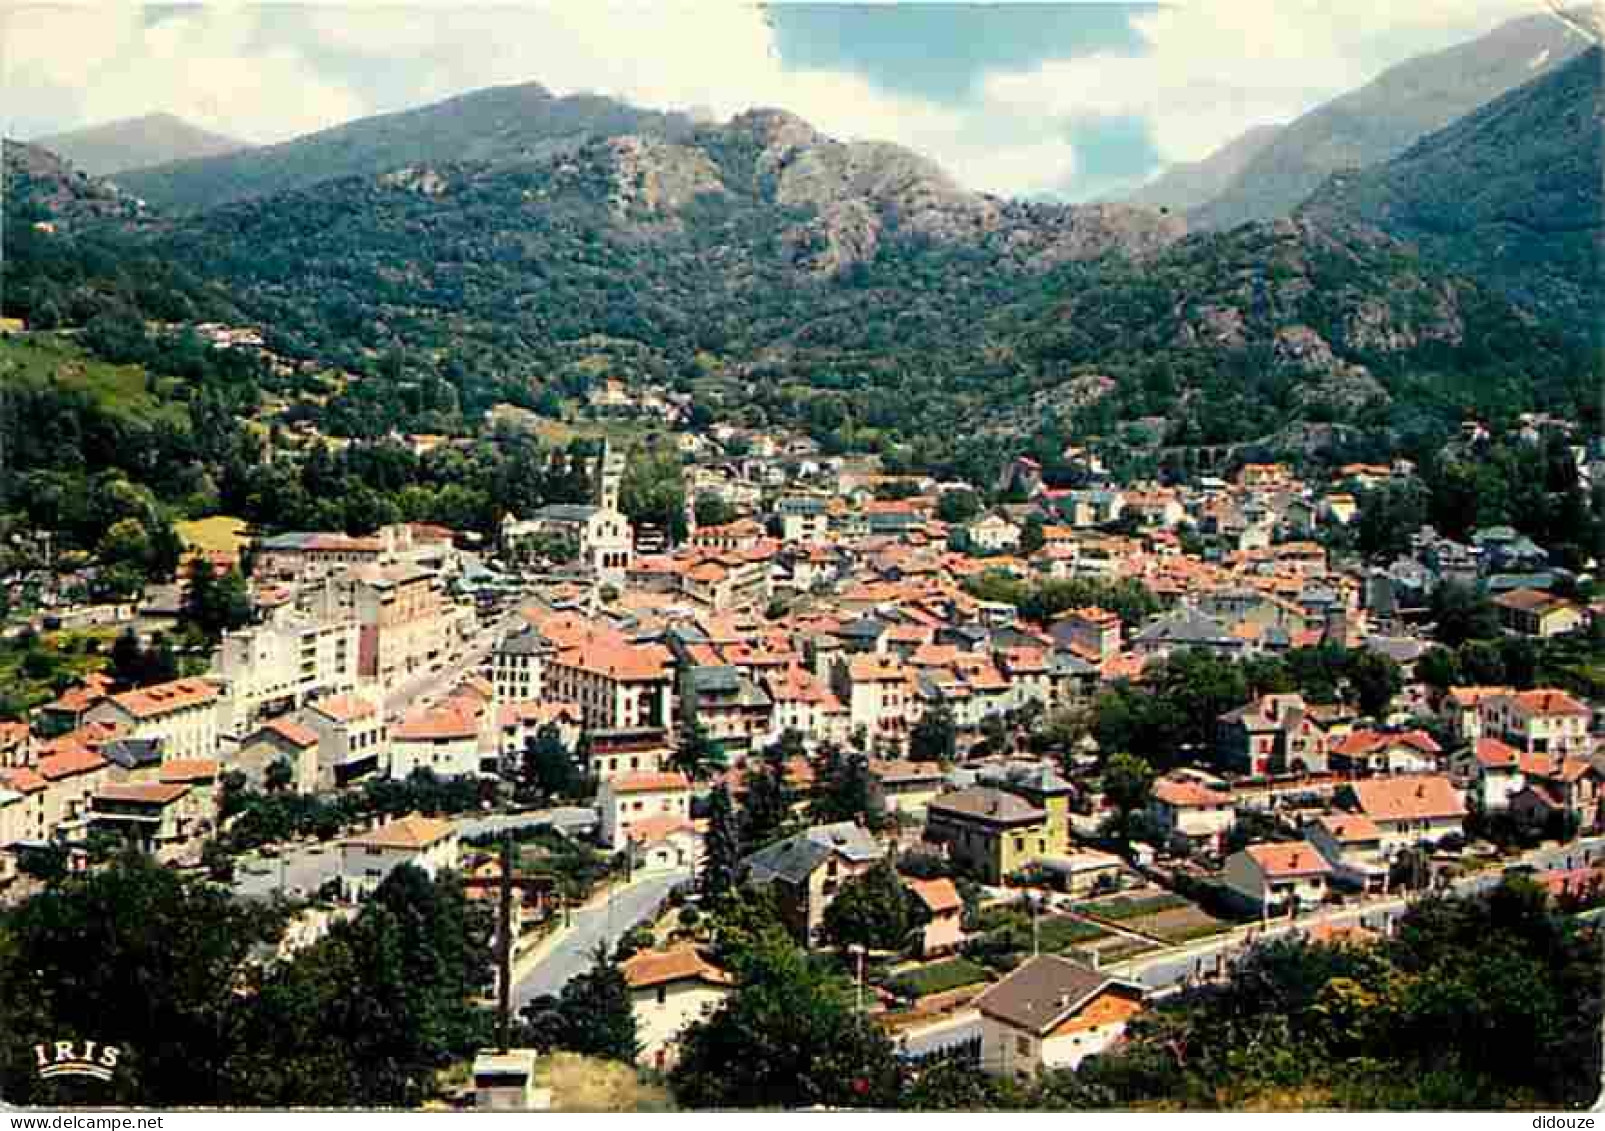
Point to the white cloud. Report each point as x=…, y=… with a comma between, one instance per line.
x=1213, y=68
x=78, y=65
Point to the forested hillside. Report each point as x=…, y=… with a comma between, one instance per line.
x=1511, y=194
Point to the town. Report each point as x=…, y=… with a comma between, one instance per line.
x=804, y=558
x=996, y=744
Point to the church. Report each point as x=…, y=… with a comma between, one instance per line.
x=602, y=533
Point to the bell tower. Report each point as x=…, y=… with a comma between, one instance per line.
x=611, y=478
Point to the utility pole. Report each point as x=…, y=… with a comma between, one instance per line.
x=505, y=883
x=859, y=951
x=504, y=949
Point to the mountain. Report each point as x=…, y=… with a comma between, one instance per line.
x=51, y=189
x=1192, y=184
x=76, y=246
x=505, y=123
x=133, y=143
x=850, y=288
x=1384, y=117
x=1510, y=194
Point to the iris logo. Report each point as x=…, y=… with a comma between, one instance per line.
x=66, y=1058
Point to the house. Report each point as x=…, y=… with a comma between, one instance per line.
x=444, y=739
x=629, y=799
x=1543, y=721
x=991, y=533
x=1041, y=784
x=1559, y=790
x=427, y=843
x=943, y=931
x=182, y=714
x=733, y=709
x=991, y=832
x=1409, y=810
x=1051, y=1013
x=1352, y=844
x=668, y=991
x=353, y=739
x=1190, y=813
x=880, y=693
x=1275, y=734
x=280, y=739
x=903, y=787
x=628, y=750
x=1532, y=612
x=1381, y=752
x=1462, y=706
x=805, y=871
x=149, y=815
x=1270, y=879
x=1494, y=775
x=1091, y=633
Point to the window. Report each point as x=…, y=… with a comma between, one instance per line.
x=663, y=994
x=1022, y=1045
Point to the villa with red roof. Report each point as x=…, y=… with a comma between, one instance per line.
x=1272, y=879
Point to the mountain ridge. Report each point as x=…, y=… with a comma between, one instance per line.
x=1505, y=194
x=118, y=146
x=1192, y=184
x=1381, y=119
x=511, y=122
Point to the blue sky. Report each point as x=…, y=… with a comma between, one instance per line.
x=1073, y=100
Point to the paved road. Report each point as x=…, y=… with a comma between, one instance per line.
x=303, y=869
x=604, y=922
x=1172, y=967
x=427, y=686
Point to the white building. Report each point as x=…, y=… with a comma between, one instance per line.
x=1543, y=721
x=630, y=799
x=283, y=663
x=1273, y=878
x=668, y=991
x=1052, y=1013
x=181, y=714
x=353, y=739
x=1187, y=811
x=446, y=739
x=1352, y=844
x=1410, y=810
x=427, y=843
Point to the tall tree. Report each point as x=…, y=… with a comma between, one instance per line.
x=789, y=1037
x=873, y=910
x=1127, y=782
x=722, y=857
x=697, y=756
x=935, y=737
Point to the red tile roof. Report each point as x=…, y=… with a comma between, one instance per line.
x=189, y=769
x=651, y=968
x=938, y=895
x=414, y=831
x=650, y=783
x=292, y=732
x=163, y=698
x=1288, y=860
x=1408, y=798
x=153, y=793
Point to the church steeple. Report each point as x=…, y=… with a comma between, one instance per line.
x=611, y=478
